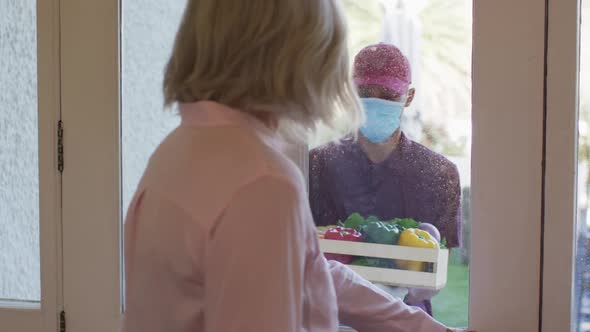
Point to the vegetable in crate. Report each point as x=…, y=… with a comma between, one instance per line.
x=430, y=228
x=372, y=218
x=374, y=262
x=380, y=232
x=355, y=221
x=413, y=237
x=405, y=223
x=321, y=230
x=342, y=234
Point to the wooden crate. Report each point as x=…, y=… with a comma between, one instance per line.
x=395, y=277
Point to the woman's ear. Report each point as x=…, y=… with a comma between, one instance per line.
x=411, y=94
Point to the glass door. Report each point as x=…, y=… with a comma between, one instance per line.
x=579, y=315
x=581, y=297
x=565, y=250
x=29, y=176
x=483, y=113
x=435, y=36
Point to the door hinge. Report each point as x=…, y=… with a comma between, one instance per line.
x=60, y=147
x=62, y=321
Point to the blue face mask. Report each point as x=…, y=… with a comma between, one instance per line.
x=383, y=118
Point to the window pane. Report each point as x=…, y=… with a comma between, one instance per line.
x=19, y=176
x=438, y=56
x=148, y=33
x=403, y=179
x=582, y=276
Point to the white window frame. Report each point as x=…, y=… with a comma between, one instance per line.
x=508, y=100
x=43, y=316
x=508, y=48
x=563, y=63
x=91, y=181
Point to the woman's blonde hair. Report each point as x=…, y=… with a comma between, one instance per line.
x=287, y=57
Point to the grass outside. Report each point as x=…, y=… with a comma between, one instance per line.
x=451, y=305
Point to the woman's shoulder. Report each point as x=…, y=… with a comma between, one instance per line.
x=202, y=168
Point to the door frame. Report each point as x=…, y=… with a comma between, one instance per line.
x=43, y=316
x=508, y=124
x=507, y=157
x=561, y=140
x=91, y=195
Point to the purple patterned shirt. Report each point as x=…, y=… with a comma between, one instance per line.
x=413, y=182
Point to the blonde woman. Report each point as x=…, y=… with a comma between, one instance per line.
x=219, y=236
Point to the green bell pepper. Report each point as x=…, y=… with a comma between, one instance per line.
x=356, y=221
x=374, y=262
x=380, y=232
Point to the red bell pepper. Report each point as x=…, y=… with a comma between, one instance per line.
x=342, y=234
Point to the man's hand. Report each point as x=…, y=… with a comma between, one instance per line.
x=416, y=296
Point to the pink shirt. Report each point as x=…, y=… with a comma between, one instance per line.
x=220, y=238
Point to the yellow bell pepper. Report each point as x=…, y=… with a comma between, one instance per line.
x=413, y=237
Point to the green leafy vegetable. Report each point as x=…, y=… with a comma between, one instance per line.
x=405, y=222
x=372, y=218
x=355, y=221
